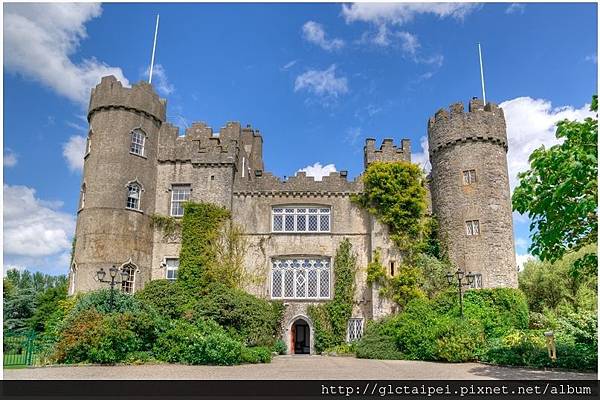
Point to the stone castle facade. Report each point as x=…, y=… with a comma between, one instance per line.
x=137, y=165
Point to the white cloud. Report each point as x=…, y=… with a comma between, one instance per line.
x=521, y=243
x=289, y=65
x=73, y=152
x=160, y=80
x=515, y=8
x=531, y=123
x=422, y=158
x=31, y=228
x=313, y=32
x=522, y=259
x=401, y=13
x=10, y=158
x=40, y=40
x=322, y=83
x=318, y=171
x=352, y=135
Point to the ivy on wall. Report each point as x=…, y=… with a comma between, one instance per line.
x=200, y=233
x=331, y=319
x=169, y=225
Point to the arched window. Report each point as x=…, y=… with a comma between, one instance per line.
x=88, y=145
x=134, y=191
x=138, y=139
x=82, y=197
x=127, y=284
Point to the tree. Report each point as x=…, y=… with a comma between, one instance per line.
x=560, y=192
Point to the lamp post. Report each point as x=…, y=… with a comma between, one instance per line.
x=112, y=271
x=460, y=276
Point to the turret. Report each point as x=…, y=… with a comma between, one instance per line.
x=470, y=191
x=118, y=188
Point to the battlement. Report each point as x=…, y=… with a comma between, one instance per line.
x=454, y=125
x=387, y=152
x=266, y=184
x=141, y=98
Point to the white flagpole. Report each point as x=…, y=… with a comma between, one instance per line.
x=481, y=69
x=153, y=49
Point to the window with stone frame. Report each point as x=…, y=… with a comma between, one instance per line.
x=138, y=141
x=472, y=227
x=72, y=277
x=301, y=278
x=82, y=197
x=301, y=219
x=179, y=195
x=171, y=268
x=128, y=283
x=134, y=193
x=355, y=329
x=477, y=282
x=88, y=144
x=469, y=177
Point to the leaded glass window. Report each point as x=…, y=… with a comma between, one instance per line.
x=477, y=282
x=469, y=177
x=301, y=278
x=301, y=219
x=472, y=227
x=138, y=139
x=355, y=329
x=179, y=195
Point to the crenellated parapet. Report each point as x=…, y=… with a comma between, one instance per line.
x=140, y=98
x=481, y=123
x=266, y=184
x=387, y=152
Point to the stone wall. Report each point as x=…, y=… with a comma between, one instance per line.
x=475, y=140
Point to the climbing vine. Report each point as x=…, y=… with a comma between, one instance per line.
x=200, y=234
x=168, y=225
x=331, y=319
x=394, y=192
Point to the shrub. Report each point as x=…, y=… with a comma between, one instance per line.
x=97, y=338
x=166, y=297
x=342, y=349
x=519, y=348
x=279, y=347
x=378, y=343
x=204, y=342
x=255, y=355
x=100, y=301
x=459, y=340
x=253, y=320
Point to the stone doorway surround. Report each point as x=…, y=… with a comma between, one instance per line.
x=289, y=334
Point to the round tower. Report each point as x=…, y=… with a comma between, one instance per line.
x=470, y=191
x=118, y=189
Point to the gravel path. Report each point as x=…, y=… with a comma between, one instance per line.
x=297, y=367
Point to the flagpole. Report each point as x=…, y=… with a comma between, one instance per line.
x=481, y=69
x=153, y=49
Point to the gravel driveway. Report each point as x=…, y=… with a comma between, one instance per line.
x=297, y=367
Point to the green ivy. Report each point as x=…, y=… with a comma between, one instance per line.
x=394, y=192
x=200, y=229
x=169, y=225
x=331, y=319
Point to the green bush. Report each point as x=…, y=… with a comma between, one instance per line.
x=459, y=340
x=100, y=301
x=252, y=320
x=342, y=349
x=378, y=342
x=96, y=338
x=499, y=310
x=255, y=355
x=279, y=347
x=518, y=348
x=168, y=298
x=203, y=342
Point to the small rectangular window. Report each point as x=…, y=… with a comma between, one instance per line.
x=472, y=227
x=469, y=177
x=355, y=329
x=477, y=282
x=172, y=267
x=392, y=271
x=179, y=195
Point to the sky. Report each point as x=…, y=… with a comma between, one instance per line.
x=316, y=79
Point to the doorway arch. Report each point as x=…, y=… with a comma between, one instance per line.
x=301, y=335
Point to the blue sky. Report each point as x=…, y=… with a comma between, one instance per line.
x=316, y=79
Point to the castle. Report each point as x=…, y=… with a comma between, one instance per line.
x=136, y=165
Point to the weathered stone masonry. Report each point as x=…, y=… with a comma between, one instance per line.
x=227, y=169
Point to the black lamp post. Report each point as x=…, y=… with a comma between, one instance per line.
x=460, y=275
x=101, y=274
